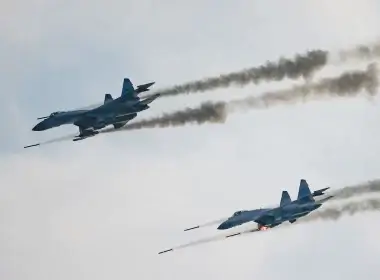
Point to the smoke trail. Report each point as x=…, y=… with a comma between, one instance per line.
x=347, y=84
x=206, y=224
x=302, y=65
x=360, y=52
x=336, y=213
x=208, y=112
x=355, y=190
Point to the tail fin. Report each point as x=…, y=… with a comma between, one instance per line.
x=304, y=192
x=285, y=198
x=107, y=98
x=128, y=91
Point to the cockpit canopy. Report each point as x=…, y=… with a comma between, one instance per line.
x=237, y=213
x=55, y=113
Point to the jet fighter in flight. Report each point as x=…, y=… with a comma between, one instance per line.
x=266, y=218
x=287, y=211
x=116, y=112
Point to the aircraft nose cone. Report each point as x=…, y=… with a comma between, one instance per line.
x=39, y=127
x=224, y=225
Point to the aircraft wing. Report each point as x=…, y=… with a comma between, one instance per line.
x=88, y=120
x=268, y=217
x=91, y=118
x=121, y=121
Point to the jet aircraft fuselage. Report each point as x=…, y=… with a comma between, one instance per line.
x=242, y=217
x=287, y=210
x=59, y=118
x=114, y=111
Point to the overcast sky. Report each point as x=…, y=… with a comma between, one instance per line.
x=103, y=208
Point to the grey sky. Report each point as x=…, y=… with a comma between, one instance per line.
x=103, y=208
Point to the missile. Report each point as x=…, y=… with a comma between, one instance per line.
x=231, y=235
x=191, y=228
x=34, y=145
x=165, y=251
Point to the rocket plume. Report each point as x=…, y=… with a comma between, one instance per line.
x=299, y=66
x=302, y=65
x=350, y=209
x=348, y=84
x=372, y=186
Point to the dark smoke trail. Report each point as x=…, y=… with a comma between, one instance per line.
x=361, y=52
x=335, y=213
x=300, y=66
x=304, y=65
x=208, y=112
x=347, y=84
x=356, y=190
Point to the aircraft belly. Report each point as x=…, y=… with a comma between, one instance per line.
x=125, y=118
x=300, y=214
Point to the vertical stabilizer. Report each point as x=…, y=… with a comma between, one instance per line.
x=285, y=198
x=128, y=91
x=304, y=192
x=107, y=98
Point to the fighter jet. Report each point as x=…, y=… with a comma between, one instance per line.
x=266, y=218
x=116, y=112
x=305, y=201
x=287, y=211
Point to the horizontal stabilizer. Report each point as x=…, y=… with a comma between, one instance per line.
x=320, y=192
x=119, y=124
x=144, y=87
x=149, y=99
x=323, y=200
